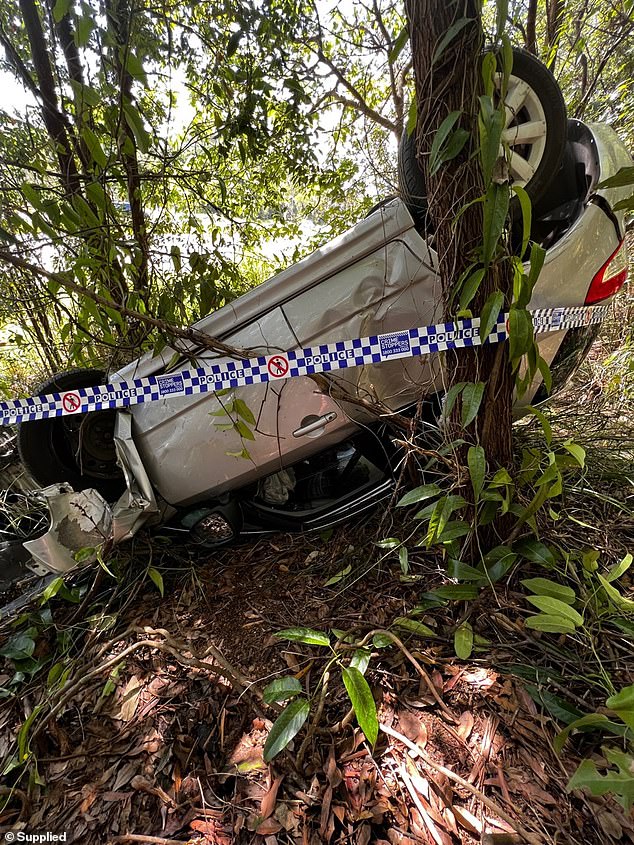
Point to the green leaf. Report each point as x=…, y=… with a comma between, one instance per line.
x=623, y=177
x=339, y=576
x=496, y=207
x=242, y=409
x=243, y=430
x=361, y=659
x=362, y=702
x=399, y=42
x=555, y=607
x=470, y=287
x=590, y=721
x=490, y=126
x=134, y=66
x=135, y=122
x=450, y=398
x=520, y=332
x=232, y=44
x=477, y=469
x=550, y=624
x=157, y=579
x=413, y=626
x=286, y=726
x=546, y=587
x=554, y=704
x=60, y=9
x=19, y=647
x=419, y=494
x=382, y=641
x=443, y=509
x=435, y=154
x=389, y=543
x=614, y=596
x=83, y=29
x=488, y=69
x=94, y=146
x=535, y=551
x=281, y=689
x=538, y=255
x=449, y=36
x=623, y=705
x=32, y=195
x=463, y=572
x=471, y=399
x=456, y=592
x=463, y=641
x=577, y=452
x=412, y=116
x=543, y=421
x=454, y=529
x=502, y=13
x=525, y=206
x=620, y=568
x=456, y=141
x=52, y=590
x=175, y=252
x=23, y=734
x=54, y=674
x=490, y=313
x=620, y=784
x=304, y=635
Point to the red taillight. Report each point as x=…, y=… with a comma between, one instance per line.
x=611, y=277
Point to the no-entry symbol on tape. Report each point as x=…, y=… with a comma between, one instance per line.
x=71, y=402
x=278, y=366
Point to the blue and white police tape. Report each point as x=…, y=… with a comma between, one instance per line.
x=299, y=362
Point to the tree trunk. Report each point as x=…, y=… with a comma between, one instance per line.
x=531, y=21
x=445, y=83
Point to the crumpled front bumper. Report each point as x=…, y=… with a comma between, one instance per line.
x=85, y=521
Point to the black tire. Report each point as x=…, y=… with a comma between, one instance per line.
x=526, y=68
x=411, y=182
x=77, y=449
x=529, y=69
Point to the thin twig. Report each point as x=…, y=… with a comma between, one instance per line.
x=424, y=675
x=528, y=836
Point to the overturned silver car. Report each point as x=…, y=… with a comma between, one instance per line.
x=309, y=451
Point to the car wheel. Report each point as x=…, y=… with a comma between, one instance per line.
x=77, y=449
x=411, y=182
x=535, y=131
x=536, y=124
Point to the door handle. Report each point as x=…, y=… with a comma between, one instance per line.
x=312, y=424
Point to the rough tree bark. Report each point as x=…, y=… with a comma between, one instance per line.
x=449, y=82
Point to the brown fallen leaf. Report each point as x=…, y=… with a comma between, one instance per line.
x=610, y=826
x=465, y=725
x=412, y=727
x=267, y=805
x=268, y=826
x=212, y=830
x=325, y=815
x=129, y=699
x=467, y=819
x=142, y=784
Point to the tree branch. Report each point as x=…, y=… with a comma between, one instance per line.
x=53, y=119
x=191, y=335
